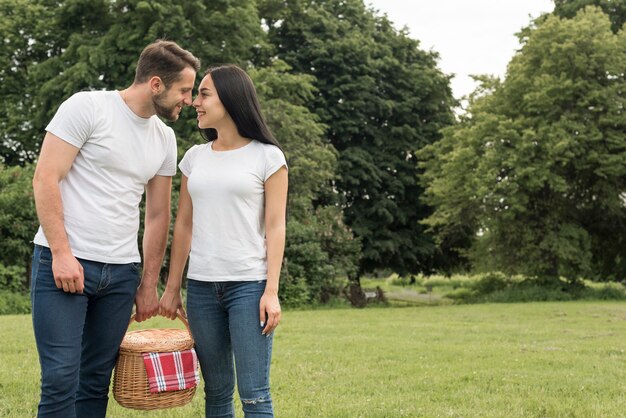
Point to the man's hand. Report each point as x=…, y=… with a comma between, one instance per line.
x=68, y=273
x=170, y=303
x=147, y=301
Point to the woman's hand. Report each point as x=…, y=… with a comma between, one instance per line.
x=170, y=303
x=269, y=312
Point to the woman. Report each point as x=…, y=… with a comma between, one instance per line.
x=231, y=223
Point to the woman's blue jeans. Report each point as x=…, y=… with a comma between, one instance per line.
x=224, y=320
x=78, y=335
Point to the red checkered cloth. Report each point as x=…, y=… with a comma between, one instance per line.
x=176, y=370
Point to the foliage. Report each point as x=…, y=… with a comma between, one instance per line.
x=546, y=151
x=12, y=303
x=320, y=254
x=23, y=31
x=616, y=9
x=496, y=287
x=18, y=224
x=12, y=278
x=320, y=249
x=95, y=44
x=382, y=98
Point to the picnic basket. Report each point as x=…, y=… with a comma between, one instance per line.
x=130, y=381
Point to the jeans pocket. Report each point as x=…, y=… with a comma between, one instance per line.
x=45, y=255
x=136, y=267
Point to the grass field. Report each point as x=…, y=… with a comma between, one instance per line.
x=563, y=359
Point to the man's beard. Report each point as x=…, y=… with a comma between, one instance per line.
x=168, y=113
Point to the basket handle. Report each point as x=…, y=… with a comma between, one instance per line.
x=178, y=315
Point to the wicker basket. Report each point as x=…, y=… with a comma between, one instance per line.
x=130, y=382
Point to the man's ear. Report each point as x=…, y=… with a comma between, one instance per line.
x=156, y=84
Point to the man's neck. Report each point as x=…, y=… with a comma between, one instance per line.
x=139, y=100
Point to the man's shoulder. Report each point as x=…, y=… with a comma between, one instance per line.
x=165, y=130
x=95, y=94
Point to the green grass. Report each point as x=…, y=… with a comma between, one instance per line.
x=552, y=359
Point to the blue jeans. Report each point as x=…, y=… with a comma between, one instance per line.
x=78, y=335
x=224, y=320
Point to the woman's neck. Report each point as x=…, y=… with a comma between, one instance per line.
x=228, y=138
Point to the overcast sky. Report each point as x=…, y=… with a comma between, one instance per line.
x=471, y=36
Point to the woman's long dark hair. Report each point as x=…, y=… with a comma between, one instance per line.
x=238, y=95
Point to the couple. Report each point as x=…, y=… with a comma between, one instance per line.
x=101, y=151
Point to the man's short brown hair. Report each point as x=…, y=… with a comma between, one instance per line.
x=166, y=60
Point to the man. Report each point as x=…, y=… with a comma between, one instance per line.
x=101, y=150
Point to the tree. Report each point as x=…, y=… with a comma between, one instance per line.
x=382, y=99
x=536, y=169
x=21, y=31
x=616, y=9
x=18, y=224
x=85, y=44
x=321, y=251
x=57, y=48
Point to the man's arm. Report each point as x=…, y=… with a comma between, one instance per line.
x=171, y=300
x=157, y=224
x=55, y=160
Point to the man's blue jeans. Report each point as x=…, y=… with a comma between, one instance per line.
x=78, y=335
x=224, y=320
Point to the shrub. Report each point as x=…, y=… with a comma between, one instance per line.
x=320, y=255
x=400, y=281
x=14, y=303
x=491, y=282
x=461, y=294
x=18, y=223
x=12, y=278
x=294, y=292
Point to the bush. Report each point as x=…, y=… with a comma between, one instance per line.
x=605, y=291
x=321, y=254
x=461, y=294
x=491, y=282
x=294, y=292
x=526, y=294
x=401, y=281
x=14, y=303
x=454, y=282
x=18, y=224
x=13, y=278
x=497, y=288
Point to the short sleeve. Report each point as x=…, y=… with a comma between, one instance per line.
x=274, y=160
x=186, y=163
x=74, y=120
x=168, y=168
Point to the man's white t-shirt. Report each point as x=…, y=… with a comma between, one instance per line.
x=228, y=197
x=119, y=153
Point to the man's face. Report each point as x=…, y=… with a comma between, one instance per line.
x=170, y=102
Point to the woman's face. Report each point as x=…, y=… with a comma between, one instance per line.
x=211, y=111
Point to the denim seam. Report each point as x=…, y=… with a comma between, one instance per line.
x=34, y=281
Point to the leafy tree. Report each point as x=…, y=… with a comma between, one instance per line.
x=56, y=48
x=18, y=224
x=382, y=99
x=616, y=9
x=94, y=44
x=536, y=170
x=21, y=31
x=320, y=248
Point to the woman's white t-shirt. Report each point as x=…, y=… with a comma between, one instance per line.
x=228, y=197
